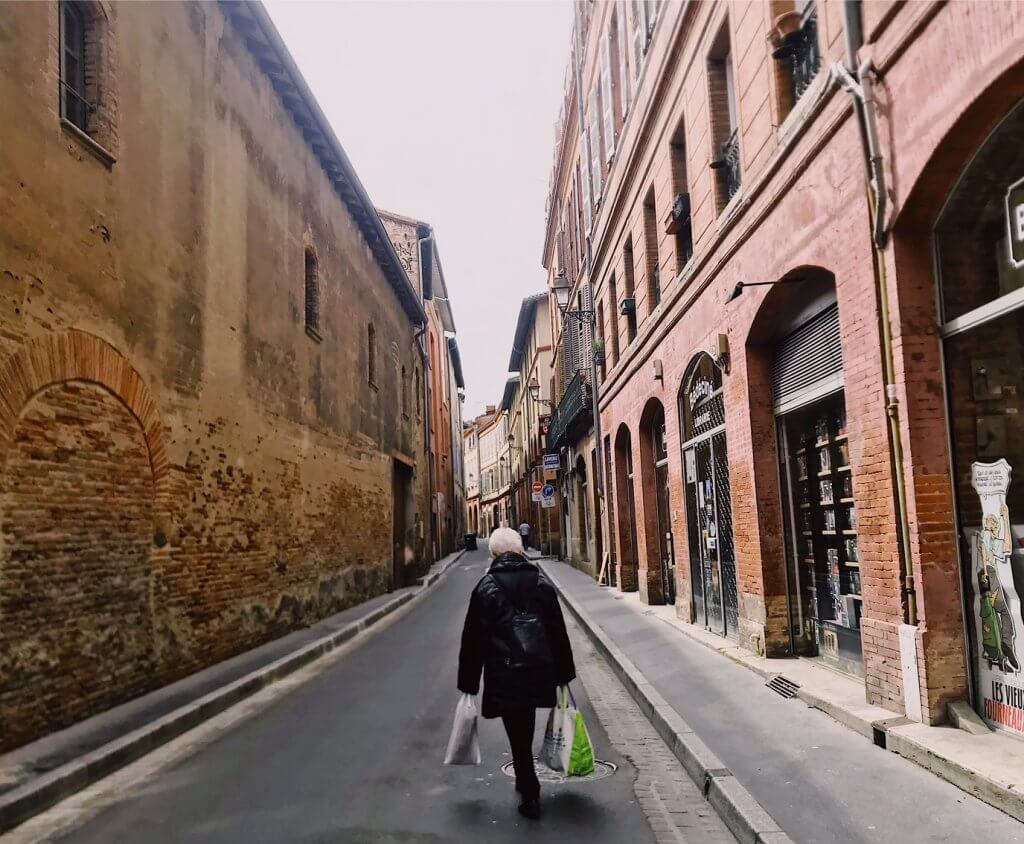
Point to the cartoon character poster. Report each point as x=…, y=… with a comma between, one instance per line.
x=997, y=607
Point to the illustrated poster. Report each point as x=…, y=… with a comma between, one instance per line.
x=997, y=608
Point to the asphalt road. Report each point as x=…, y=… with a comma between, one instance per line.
x=354, y=755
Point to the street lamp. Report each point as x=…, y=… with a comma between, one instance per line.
x=534, y=388
x=737, y=291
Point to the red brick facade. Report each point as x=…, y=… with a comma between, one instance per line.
x=802, y=210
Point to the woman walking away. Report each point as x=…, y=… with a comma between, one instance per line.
x=515, y=633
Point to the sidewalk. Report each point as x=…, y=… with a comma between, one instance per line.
x=820, y=781
x=40, y=774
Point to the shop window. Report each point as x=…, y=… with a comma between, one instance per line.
x=797, y=53
x=979, y=243
x=725, y=138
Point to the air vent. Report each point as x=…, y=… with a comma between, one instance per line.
x=781, y=686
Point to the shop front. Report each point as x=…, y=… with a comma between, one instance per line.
x=979, y=258
x=817, y=480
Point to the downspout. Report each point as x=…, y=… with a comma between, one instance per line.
x=862, y=90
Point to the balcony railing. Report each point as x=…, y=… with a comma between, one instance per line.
x=800, y=50
x=729, y=163
x=572, y=415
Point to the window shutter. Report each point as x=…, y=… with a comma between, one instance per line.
x=639, y=37
x=620, y=32
x=584, y=165
x=808, y=363
x=607, y=101
x=595, y=145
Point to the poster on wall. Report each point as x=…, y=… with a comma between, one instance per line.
x=998, y=621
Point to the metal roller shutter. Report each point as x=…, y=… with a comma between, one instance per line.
x=808, y=363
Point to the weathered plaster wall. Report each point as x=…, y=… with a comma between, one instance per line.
x=184, y=472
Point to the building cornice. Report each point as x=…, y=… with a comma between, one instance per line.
x=271, y=54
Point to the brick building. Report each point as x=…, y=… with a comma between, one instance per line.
x=806, y=277
x=206, y=348
x=442, y=390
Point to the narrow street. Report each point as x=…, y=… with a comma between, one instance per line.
x=354, y=755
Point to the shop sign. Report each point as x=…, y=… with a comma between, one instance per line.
x=1015, y=222
x=551, y=462
x=996, y=612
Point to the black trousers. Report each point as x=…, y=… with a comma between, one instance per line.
x=519, y=725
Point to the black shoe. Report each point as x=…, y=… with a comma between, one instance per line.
x=530, y=808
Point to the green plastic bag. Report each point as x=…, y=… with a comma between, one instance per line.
x=581, y=760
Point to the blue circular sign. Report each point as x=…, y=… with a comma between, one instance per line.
x=548, y=491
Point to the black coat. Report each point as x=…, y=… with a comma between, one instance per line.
x=488, y=626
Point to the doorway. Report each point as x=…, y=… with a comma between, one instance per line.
x=401, y=497
x=708, y=500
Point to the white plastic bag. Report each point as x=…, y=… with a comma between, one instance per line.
x=464, y=742
x=557, y=747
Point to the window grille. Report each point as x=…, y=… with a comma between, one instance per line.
x=312, y=284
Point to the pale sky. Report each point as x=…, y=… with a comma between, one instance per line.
x=447, y=111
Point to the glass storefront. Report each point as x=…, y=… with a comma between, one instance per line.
x=825, y=579
x=979, y=247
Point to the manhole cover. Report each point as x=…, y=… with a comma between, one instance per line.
x=602, y=769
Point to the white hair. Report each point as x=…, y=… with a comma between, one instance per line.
x=504, y=540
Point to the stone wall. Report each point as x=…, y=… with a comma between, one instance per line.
x=185, y=472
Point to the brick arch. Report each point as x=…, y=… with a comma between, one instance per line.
x=78, y=356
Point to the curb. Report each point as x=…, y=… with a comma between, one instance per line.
x=25, y=801
x=742, y=814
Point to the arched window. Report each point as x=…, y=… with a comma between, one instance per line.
x=371, y=355
x=312, y=287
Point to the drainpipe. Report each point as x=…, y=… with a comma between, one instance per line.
x=861, y=89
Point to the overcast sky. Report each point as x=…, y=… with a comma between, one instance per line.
x=447, y=111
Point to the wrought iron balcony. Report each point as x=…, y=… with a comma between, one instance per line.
x=573, y=415
x=800, y=50
x=729, y=163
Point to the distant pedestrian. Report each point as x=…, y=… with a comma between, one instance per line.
x=515, y=634
x=524, y=532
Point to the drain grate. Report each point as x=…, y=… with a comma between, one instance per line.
x=780, y=685
x=602, y=769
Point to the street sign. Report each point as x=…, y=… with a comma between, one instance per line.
x=551, y=462
x=536, y=496
x=1015, y=223
x=547, y=503
x=538, y=486
x=548, y=491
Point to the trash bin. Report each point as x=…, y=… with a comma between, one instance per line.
x=470, y=540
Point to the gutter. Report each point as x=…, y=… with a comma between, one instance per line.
x=862, y=91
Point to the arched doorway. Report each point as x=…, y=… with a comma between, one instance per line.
x=797, y=336
x=625, y=510
x=708, y=498
x=657, y=504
